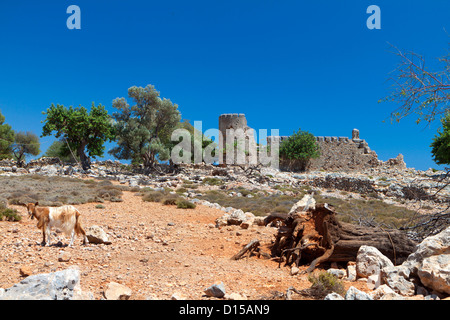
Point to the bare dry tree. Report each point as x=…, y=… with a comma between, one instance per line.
x=426, y=225
x=417, y=89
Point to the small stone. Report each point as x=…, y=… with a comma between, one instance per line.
x=117, y=291
x=351, y=272
x=235, y=296
x=97, y=235
x=294, y=271
x=339, y=273
x=64, y=257
x=177, y=296
x=333, y=296
x=355, y=294
x=216, y=290
x=25, y=271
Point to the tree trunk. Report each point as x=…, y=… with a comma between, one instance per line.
x=85, y=160
x=315, y=236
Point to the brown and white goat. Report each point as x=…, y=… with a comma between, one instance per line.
x=66, y=218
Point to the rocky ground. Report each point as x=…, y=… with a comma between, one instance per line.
x=157, y=251
x=161, y=252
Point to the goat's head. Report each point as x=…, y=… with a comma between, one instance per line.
x=31, y=207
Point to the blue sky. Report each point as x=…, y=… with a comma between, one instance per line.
x=287, y=65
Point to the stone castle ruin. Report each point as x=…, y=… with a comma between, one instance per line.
x=336, y=153
x=228, y=150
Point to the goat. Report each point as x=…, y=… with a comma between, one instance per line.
x=66, y=218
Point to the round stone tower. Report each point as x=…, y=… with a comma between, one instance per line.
x=231, y=121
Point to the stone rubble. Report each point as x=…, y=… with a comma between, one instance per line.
x=424, y=275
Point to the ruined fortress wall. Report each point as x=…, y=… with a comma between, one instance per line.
x=343, y=154
x=336, y=153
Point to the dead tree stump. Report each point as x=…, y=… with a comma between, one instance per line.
x=315, y=236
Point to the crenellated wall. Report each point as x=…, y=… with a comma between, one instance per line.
x=336, y=153
x=340, y=153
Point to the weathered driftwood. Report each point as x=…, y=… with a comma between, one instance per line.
x=314, y=236
x=251, y=246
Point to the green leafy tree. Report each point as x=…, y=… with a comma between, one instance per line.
x=82, y=130
x=299, y=149
x=198, y=139
x=441, y=142
x=6, y=139
x=25, y=143
x=59, y=149
x=144, y=129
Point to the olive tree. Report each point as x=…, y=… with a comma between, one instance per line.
x=144, y=128
x=25, y=143
x=82, y=130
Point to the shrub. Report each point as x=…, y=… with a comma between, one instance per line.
x=324, y=284
x=181, y=190
x=441, y=142
x=170, y=200
x=55, y=191
x=212, y=181
x=185, y=204
x=9, y=214
x=299, y=149
x=100, y=206
x=153, y=196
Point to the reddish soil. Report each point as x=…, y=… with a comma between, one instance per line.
x=156, y=250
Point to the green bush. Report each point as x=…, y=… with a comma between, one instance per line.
x=56, y=191
x=324, y=284
x=153, y=196
x=9, y=214
x=185, y=204
x=212, y=181
x=170, y=200
x=299, y=149
x=440, y=147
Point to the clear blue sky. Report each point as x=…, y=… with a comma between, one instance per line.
x=312, y=65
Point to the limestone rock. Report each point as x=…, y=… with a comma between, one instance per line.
x=117, y=291
x=58, y=285
x=339, y=273
x=25, y=271
x=435, y=273
x=307, y=200
x=382, y=291
x=355, y=294
x=370, y=260
x=351, y=272
x=397, y=278
x=237, y=217
x=333, y=296
x=216, y=290
x=434, y=245
x=97, y=235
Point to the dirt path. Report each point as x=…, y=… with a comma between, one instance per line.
x=156, y=250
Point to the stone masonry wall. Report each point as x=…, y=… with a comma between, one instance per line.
x=337, y=153
x=344, y=154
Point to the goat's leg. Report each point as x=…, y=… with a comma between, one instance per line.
x=43, y=237
x=85, y=239
x=47, y=234
x=72, y=238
